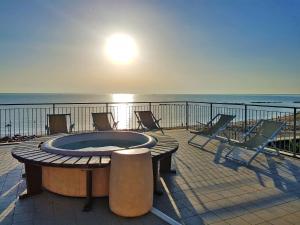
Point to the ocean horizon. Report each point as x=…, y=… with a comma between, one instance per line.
x=270, y=99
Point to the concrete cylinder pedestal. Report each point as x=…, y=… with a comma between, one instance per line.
x=131, y=182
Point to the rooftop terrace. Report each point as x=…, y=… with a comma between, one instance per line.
x=207, y=189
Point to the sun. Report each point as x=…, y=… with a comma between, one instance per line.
x=121, y=48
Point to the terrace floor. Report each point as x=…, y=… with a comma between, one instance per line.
x=207, y=189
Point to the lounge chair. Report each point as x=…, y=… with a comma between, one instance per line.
x=147, y=121
x=57, y=123
x=257, y=138
x=102, y=123
x=213, y=128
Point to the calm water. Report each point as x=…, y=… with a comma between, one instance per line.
x=98, y=144
x=29, y=120
x=283, y=100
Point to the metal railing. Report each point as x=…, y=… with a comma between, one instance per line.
x=31, y=119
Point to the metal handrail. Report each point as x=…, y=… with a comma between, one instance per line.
x=28, y=118
x=148, y=102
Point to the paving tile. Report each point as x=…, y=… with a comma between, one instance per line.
x=266, y=214
x=280, y=221
x=236, y=221
x=207, y=189
x=195, y=220
x=252, y=218
x=292, y=218
x=223, y=222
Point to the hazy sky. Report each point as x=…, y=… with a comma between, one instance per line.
x=203, y=46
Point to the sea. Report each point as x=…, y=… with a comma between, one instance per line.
x=269, y=99
x=32, y=119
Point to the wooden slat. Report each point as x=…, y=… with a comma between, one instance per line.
x=83, y=161
x=25, y=153
x=61, y=160
x=95, y=160
x=105, y=160
x=165, y=149
x=25, y=150
x=154, y=153
x=159, y=151
x=72, y=160
x=52, y=159
x=48, y=156
x=33, y=155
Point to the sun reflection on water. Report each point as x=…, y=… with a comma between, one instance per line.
x=123, y=111
x=122, y=97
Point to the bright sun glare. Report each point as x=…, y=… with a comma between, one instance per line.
x=121, y=48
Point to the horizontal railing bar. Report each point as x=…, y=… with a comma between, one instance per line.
x=147, y=102
x=89, y=103
x=243, y=104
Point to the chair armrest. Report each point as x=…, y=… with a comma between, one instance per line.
x=205, y=124
x=157, y=121
x=249, y=132
x=47, y=129
x=72, y=127
x=115, y=124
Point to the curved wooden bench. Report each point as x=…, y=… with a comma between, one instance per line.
x=34, y=158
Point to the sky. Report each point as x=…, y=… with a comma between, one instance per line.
x=196, y=47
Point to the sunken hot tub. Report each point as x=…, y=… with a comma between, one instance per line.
x=72, y=181
x=97, y=143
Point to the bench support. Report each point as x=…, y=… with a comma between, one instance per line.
x=165, y=164
x=89, y=191
x=156, y=177
x=33, y=180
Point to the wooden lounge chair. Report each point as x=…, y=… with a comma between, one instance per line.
x=57, y=123
x=147, y=121
x=213, y=128
x=102, y=123
x=257, y=138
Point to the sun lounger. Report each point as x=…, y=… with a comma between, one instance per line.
x=57, y=123
x=147, y=121
x=257, y=138
x=213, y=128
x=101, y=121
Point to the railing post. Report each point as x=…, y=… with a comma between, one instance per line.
x=106, y=107
x=53, y=108
x=187, y=115
x=211, y=111
x=149, y=106
x=295, y=132
x=245, y=121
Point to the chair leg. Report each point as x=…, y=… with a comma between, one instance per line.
x=231, y=150
x=199, y=145
x=192, y=138
x=209, y=139
x=140, y=125
x=254, y=156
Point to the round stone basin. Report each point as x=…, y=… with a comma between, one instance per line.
x=97, y=143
